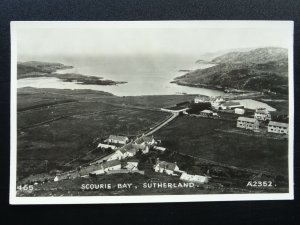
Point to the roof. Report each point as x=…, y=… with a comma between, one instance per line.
x=167, y=165
x=206, y=111
x=132, y=150
x=262, y=111
x=231, y=103
x=111, y=163
x=118, y=138
x=247, y=119
x=145, y=139
x=278, y=124
x=148, y=138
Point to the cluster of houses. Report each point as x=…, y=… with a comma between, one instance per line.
x=112, y=163
x=260, y=114
x=218, y=103
x=172, y=169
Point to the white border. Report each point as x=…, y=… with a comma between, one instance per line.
x=145, y=198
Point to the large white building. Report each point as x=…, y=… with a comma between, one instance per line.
x=117, y=139
x=202, y=99
x=278, y=128
x=194, y=178
x=247, y=123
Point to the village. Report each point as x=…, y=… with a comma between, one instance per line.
x=122, y=154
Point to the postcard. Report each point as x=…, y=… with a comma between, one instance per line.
x=151, y=111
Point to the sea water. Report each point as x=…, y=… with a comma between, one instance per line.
x=145, y=75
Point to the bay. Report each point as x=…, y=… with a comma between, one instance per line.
x=145, y=75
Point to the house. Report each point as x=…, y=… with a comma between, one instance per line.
x=145, y=140
x=262, y=114
x=130, y=152
x=202, y=99
x=194, y=178
x=216, y=102
x=278, y=128
x=132, y=164
x=165, y=167
x=105, y=146
x=106, y=166
x=117, y=139
x=158, y=148
x=231, y=105
x=119, y=154
x=247, y=123
x=206, y=113
x=239, y=111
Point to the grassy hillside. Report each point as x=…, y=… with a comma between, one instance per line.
x=258, y=69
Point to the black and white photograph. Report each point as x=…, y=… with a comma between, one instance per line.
x=151, y=111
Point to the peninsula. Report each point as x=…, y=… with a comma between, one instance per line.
x=33, y=69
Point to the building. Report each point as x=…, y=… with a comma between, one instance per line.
x=107, y=166
x=247, y=123
x=158, y=148
x=262, y=114
x=105, y=146
x=130, y=152
x=202, y=99
x=132, y=164
x=216, y=102
x=231, y=105
x=278, y=128
x=239, y=111
x=117, y=139
x=165, y=167
x=119, y=154
x=194, y=178
x=146, y=140
x=206, y=113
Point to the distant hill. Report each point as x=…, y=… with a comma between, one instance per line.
x=257, y=69
x=258, y=56
x=211, y=55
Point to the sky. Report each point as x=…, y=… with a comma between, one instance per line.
x=194, y=38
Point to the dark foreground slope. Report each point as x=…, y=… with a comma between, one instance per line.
x=258, y=69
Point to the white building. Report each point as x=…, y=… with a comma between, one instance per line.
x=105, y=146
x=202, y=99
x=239, y=111
x=117, y=139
x=231, y=105
x=162, y=149
x=194, y=178
x=216, y=102
x=262, y=114
x=278, y=128
x=247, y=123
x=107, y=166
x=165, y=167
x=132, y=164
x=117, y=155
x=146, y=140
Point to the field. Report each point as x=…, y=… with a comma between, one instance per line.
x=60, y=129
x=211, y=139
x=51, y=135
